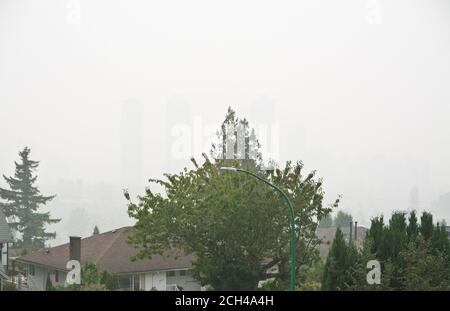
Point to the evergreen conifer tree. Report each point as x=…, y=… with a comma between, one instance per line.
x=413, y=228
x=426, y=225
x=341, y=263
x=21, y=203
x=96, y=230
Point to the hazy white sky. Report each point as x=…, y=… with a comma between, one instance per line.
x=365, y=104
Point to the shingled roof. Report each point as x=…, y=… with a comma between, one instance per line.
x=5, y=233
x=108, y=251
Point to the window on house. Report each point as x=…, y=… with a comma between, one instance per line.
x=136, y=283
x=170, y=273
x=56, y=276
x=31, y=270
x=142, y=281
x=183, y=273
x=125, y=282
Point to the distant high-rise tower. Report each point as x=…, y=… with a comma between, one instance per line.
x=263, y=116
x=179, y=127
x=414, y=201
x=132, y=145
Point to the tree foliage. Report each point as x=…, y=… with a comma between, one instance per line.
x=326, y=222
x=412, y=256
x=424, y=270
x=96, y=230
x=412, y=230
x=342, y=219
x=311, y=276
x=22, y=202
x=426, y=225
x=236, y=226
x=340, y=264
x=237, y=140
x=93, y=279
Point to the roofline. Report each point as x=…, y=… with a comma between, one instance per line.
x=26, y=261
x=120, y=273
x=87, y=237
x=154, y=270
x=68, y=243
x=40, y=264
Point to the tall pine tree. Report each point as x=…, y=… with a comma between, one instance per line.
x=96, y=230
x=340, y=265
x=22, y=202
x=412, y=230
x=426, y=225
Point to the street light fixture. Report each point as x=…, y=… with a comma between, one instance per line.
x=292, y=219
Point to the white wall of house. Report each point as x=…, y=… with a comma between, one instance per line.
x=37, y=279
x=4, y=256
x=60, y=280
x=156, y=280
x=166, y=280
x=184, y=279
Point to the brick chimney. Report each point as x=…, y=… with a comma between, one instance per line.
x=75, y=248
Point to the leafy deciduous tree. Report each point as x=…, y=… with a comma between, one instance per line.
x=236, y=226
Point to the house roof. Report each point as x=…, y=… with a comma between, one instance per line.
x=5, y=232
x=109, y=251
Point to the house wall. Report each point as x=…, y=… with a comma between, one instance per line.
x=187, y=282
x=160, y=280
x=61, y=278
x=4, y=256
x=156, y=280
x=38, y=281
x=165, y=280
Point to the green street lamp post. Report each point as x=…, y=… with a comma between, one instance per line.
x=292, y=218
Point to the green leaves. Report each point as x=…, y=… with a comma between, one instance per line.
x=413, y=257
x=340, y=265
x=22, y=201
x=232, y=222
x=236, y=226
x=423, y=270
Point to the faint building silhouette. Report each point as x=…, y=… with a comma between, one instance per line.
x=414, y=201
x=441, y=206
x=178, y=125
x=132, y=145
x=265, y=120
x=82, y=205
